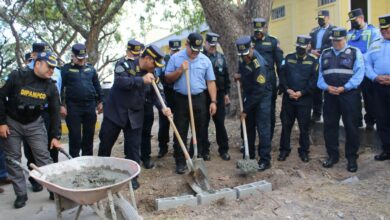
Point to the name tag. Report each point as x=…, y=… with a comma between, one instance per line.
x=74, y=70
x=307, y=62
x=291, y=61
x=266, y=43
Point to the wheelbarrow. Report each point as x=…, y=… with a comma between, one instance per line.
x=67, y=198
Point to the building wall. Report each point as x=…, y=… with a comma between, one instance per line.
x=300, y=18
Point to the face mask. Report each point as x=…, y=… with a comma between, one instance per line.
x=300, y=51
x=321, y=22
x=355, y=25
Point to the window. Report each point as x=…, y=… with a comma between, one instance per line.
x=278, y=12
x=324, y=2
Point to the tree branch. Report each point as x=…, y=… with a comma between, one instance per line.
x=70, y=20
x=110, y=15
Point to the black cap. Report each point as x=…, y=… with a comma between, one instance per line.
x=134, y=46
x=80, y=51
x=195, y=41
x=156, y=54
x=259, y=24
x=175, y=44
x=40, y=47
x=212, y=38
x=322, y=13
x=303, y=41
x=243, y=45
x=49, y=57
x=384, y=21
x=355, y=13
x=27, y=56
x=338, y=33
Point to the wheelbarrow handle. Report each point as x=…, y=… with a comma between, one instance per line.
x=17, y=163
x=65, y=153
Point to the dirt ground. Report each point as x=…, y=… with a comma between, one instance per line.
x=300, y=190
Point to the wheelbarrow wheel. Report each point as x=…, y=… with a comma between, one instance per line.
x=124, y=210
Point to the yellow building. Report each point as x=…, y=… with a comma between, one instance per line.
x=291, y=18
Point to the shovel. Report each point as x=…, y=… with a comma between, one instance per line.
x=198, y=162
x=197, y=179
x=246, y=166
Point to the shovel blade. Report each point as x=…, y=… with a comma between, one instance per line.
x=198, y=181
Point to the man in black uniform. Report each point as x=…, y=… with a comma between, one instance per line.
x=268, y=47
x=163, y=130
x=124, y=108
x=256, y=84
x=80, y=95
x=223, y=86
x=22, y=100
x=320, y=40
x=297, y=80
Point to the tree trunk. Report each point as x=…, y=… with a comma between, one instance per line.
x=231, y=22
x=92, y=44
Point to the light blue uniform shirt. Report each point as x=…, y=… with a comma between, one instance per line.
x=357, y=77
x=366, y=36
x=200, y=71
x=378, y=59
x=320, y=35
x=56, y=76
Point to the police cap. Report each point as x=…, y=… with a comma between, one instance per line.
x=338, y=33
x=156, y=54
x=195, y=41
x=354, y=14
x=27, y=56
x=80, y=51
x=384, y=21
x=303, y=41
x=212, y=38
x=134, y=46
x=49, y=57
x=243, y=45
x=259, y=24
x=39, y=47
x=175, y=44
x=323, y=13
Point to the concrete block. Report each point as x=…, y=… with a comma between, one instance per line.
x=252, y=189
x=174, y=202
x=208, y=198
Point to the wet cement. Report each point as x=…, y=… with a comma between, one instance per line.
x=89, y=177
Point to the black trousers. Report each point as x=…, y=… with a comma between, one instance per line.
x=163, y=129
x=182, y=122
x=318, y=96
x=146, y=147
x=273, y=102
x=289, y=113
x=81, y=120
x=369, y=101
x=109, y=133
x=346, y=106
x=219, y=122
x=382, y=105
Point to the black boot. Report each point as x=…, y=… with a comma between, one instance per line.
x=134, y=183
x=36, y=187
x=20, y=201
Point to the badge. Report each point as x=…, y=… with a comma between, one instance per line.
x=119, y=69
x=261, y=79
x=348, y=51
x=326, y=61
x=132, y=72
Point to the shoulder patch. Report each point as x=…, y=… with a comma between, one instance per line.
x=261, y=79
x=2, y=83
x=119, y=69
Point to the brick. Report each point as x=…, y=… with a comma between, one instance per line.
x=252, y=189
x=174, y=202
x=208, y=198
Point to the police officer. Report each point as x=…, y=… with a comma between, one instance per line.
x=362, y=35
x=201, y=74
x=124, y=109
x=297, y=79
x=223, y=86
x=268, y=47
x=40, y=47
x=81, y=95
x=163, y=130
x=132, y=52
x=27, y=58
x=320, y=41
x=378, y=70
x=257, y=86
x=27, y=92
x=341, y=72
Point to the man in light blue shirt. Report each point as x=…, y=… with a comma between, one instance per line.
x=361, y=36
x=340, y=73
x=378, y=70
x=202, y=78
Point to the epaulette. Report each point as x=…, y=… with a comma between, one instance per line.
x=312, y=56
